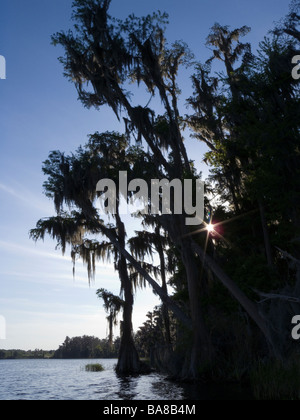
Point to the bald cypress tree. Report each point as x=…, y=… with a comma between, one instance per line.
x=101, y=55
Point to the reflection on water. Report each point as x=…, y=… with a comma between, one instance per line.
x=149, y=387
x=169, y=390
x=67, y=379
x=127, y=387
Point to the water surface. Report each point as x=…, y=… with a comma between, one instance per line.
x=42, y=379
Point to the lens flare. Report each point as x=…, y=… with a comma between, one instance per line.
x=210, y=228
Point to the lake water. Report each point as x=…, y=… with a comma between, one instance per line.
x=52, y=379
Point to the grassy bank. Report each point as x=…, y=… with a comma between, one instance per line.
x=276, y=380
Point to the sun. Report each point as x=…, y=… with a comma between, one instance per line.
x=210, y=228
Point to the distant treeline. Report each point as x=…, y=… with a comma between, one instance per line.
x=26, y=354
x=85, y=347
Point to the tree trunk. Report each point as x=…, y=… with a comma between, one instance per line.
x=201, y=353
x=266, y=234
x=110, y=336
x=165, y=310
x=244, y=301
x=128, y=361
x=181, y=316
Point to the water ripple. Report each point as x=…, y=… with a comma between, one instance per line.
x=67, y=379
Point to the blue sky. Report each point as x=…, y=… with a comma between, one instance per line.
x=39, y=112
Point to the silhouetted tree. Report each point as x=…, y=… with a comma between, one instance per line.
x=113, y=305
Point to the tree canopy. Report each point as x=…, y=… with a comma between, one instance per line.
x=235, y=277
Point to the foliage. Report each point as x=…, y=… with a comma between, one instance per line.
x=247, y=117
x=113, y=305
x=26, y=354
x=87, y=347
x=96, y=367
